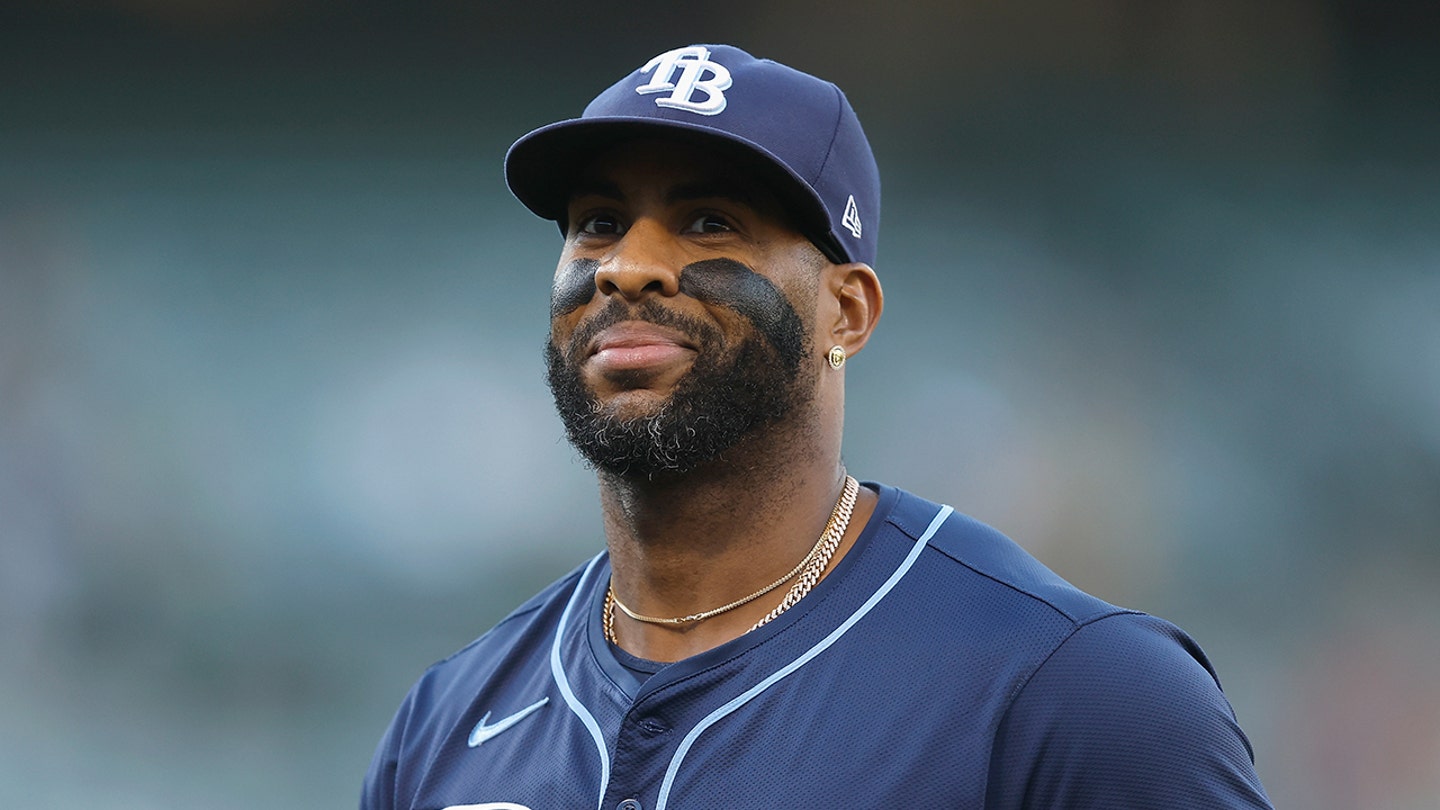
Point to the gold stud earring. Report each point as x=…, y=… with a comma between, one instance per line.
x=836, y=357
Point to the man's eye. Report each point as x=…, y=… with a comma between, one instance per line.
x=710, y=223
x=601, y=224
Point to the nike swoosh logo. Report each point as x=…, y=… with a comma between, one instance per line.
x=484, y=732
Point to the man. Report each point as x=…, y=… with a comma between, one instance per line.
x=762, y=632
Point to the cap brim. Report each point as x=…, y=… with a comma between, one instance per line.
x=541, y=168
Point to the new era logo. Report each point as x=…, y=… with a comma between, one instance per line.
x=851, y=220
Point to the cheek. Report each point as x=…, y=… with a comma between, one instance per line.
x=730, y=284
x=574, y=286
x=562, y=332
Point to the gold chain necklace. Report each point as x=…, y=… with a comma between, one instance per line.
x=809, y=570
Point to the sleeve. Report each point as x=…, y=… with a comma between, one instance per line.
x=1127, y=712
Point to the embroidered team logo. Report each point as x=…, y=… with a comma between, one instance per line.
x=851, y=219
x=697, y=74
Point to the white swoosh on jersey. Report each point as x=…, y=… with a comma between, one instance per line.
x=483, y=732
x=488, y=806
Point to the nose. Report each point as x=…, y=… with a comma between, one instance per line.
x=642, y=262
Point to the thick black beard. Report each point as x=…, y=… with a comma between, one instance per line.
x=724, y=397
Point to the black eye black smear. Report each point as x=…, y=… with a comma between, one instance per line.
x=574, y=286
x=728, y=283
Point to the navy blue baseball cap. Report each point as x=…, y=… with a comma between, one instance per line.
x=801, y=129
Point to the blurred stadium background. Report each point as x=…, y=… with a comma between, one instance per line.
x=1163, y=290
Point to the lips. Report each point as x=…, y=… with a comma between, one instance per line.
x=636, y=345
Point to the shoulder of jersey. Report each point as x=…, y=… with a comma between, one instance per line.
x=521, y=619
x=989, y=553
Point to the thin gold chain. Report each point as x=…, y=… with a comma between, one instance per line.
x=809, y=570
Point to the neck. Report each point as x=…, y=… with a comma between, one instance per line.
x=692, y=543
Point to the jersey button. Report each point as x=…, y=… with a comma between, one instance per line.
x=629, y=804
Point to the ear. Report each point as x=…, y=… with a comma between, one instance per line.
x=858, y=300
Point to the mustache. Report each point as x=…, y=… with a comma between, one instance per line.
x=719, y=283
x=650, y=311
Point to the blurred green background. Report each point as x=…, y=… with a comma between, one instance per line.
x=1163, y=303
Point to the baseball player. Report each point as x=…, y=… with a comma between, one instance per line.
x=763, y=631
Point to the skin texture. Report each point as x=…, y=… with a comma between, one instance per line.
x=677, y=267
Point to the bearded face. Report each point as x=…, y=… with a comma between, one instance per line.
x=739, y=382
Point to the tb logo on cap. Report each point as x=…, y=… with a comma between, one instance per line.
x=697, y=73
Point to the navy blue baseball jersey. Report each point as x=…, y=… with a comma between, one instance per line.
x=938, y=665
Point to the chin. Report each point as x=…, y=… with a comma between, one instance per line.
x=635, y=403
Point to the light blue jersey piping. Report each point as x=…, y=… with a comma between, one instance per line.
x=558, y=671
x=720, y=713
